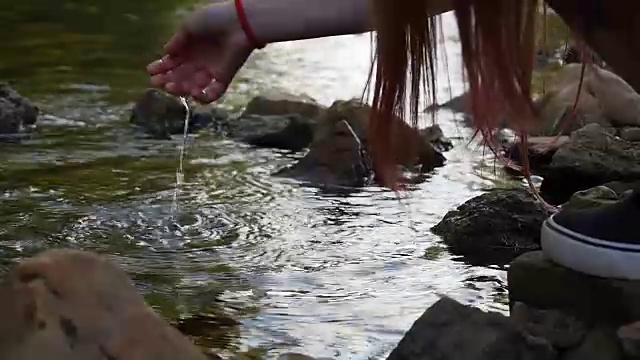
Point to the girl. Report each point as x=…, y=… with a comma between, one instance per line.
x=498, y=49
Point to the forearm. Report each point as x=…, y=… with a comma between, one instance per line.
x=287, y=20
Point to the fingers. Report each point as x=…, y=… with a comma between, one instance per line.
x=190, y=79
x=212, y=92
x=164, y=64
x=207, y=86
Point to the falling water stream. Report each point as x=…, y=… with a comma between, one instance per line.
x=180, y=170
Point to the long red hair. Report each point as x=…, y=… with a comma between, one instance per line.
x=498, y=40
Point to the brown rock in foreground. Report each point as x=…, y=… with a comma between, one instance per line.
x=66, y=304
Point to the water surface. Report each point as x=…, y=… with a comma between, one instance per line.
x=256, y=262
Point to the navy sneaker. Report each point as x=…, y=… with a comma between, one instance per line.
x=602, y=241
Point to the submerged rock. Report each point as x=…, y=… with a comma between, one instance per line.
x=66, y=304
x=338, y=156
x=592, y=156
x=449, y=330
x=493, y=228
x=16, y=111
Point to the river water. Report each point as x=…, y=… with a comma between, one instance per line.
x=256, y=263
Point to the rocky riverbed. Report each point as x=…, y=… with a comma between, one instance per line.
x=550, y=318
x=282, y=244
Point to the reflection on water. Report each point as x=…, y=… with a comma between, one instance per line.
x=253, y=260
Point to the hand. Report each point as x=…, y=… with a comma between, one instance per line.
x=204, y=55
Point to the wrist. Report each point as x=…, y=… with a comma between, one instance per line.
x=245, y=26
x=217, y=19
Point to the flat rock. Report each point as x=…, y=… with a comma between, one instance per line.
x=282, y=103
x=538, y=282
x=73, y=305
x=449, y=330
x=493, y=228
x=593, y=156
x=287, y=132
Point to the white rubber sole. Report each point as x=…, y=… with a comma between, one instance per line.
x=589, y=255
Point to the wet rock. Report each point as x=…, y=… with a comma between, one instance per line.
x=540, y=151
x=629, y=337
x=493, y=228
x=434, y=135
x=16, y=111
x=281, y=103
x=161, y=115
x=594, y=197
x=66, y=304
x=538, y=282
x=459, y=104
x=630, y=133
x=338, y=156
x=292, y=132
x=561, y=330
x=599, y=344
x=275, y=120
x=592, y=156
x=450, y=330
x=158, y=114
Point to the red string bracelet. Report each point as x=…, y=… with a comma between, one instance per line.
x=244, y=23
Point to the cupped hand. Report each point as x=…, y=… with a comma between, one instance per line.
x=204, y=55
